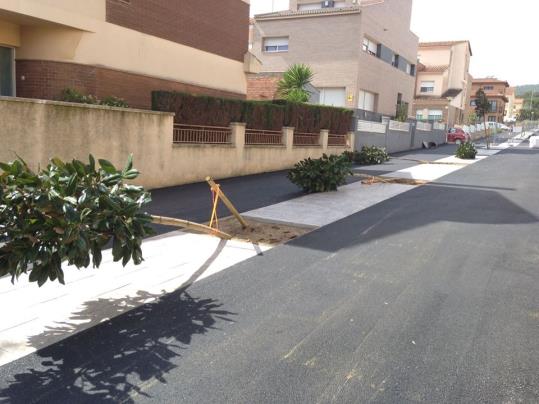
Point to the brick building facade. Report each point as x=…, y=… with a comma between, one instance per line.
x=362, y=54
x=495, y=90
x=125, y=48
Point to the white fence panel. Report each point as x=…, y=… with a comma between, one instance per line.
x=368, y=126
x=425, y=126
x=439, y=126
x=402, y=126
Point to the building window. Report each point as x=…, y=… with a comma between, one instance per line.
x=473, y=103
x=395, y=60
x=370, y=46
x=488, y=88
x=7, y=73
x=492, y=118
x=493, y=106
x=427, y=87
x=277, y=44
x=321, y=4
x=366, y=101
x=419, y=115
x=334, y=96
x=435, y=115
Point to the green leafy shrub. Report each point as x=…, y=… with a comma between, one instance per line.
x=369, y=155
x=112, y=101
x=72, y=95
x=68, y=212
x=320, y=175
x=466, y=151
x=270, y=115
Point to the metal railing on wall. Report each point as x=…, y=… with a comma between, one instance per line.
x=201, y=134
x=401, y=126
x=337, y=140
x=306, y=139
x=263, y=137
x=368, y=126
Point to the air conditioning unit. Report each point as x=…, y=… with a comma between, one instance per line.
x=328, y=4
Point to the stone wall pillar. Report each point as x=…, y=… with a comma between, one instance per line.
x=324, y=139
x=288, y=137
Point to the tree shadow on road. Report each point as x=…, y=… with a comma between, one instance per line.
x=115, y=360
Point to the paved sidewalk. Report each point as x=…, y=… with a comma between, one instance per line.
x=53, y=312
x=323, y=209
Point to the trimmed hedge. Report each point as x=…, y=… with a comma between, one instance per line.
x=268, y=115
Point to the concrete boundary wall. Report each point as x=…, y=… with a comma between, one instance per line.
x=395, y=141
x=38, y=130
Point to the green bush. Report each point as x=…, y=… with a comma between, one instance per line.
x=466, y=151
x=68, y=212
x=320, y=175
x=112, y=101
x=369, y=155
x=269, y=115
x=72, y=95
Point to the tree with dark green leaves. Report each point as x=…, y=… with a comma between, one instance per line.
x=292, y=86
x=482, y=107
x=68, y=213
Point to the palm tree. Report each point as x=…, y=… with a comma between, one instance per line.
x=292, y=86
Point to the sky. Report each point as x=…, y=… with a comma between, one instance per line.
x=502, y=32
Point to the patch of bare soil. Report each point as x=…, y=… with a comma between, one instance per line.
x=371, y=179
x=260, y=232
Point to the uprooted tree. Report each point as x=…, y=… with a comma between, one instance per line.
x=68, y=212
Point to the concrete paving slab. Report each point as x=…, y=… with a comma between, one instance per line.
x=324, y=208
x=171, y=261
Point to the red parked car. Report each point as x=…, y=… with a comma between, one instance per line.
x=458, y=136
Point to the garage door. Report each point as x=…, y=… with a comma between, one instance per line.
x=335, y=96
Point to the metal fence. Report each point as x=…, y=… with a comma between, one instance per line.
x=201, y=134
x=365, y=115
x=367, y=126
x=336, y=140
x=263, y=137
x=402, y=126
x=306, y=139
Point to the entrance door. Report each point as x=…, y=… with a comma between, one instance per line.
x=6, y=71
x=333, y=96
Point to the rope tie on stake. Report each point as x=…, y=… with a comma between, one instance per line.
x=215, y=201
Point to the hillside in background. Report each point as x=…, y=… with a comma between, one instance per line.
x=521, y=90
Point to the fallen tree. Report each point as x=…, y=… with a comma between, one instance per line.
x=69, y=212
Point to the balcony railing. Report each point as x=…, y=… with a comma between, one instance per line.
x=306, y=139
x=201, y=134
x=263, y=137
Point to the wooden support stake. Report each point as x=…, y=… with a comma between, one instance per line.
x=215, y=187
x=169, y=221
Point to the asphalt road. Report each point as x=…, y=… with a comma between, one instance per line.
x=432, y=296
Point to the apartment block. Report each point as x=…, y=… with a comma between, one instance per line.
x=443, y=84
x=124, y=48
x=362, y=53
x=495, y=91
